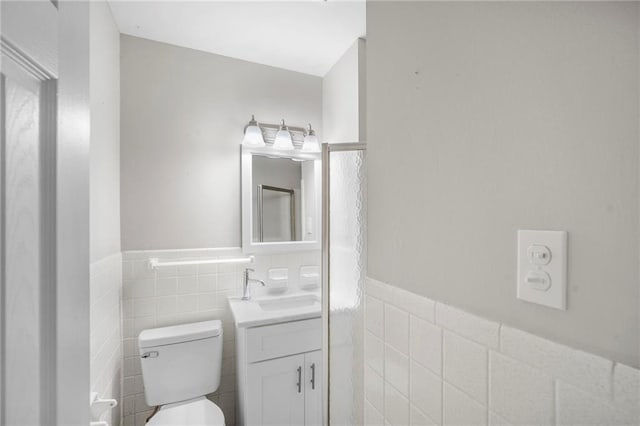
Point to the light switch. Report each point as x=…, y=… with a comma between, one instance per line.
x=542, y=268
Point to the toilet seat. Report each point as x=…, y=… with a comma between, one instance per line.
x=194, y=412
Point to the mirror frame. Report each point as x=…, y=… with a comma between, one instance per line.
x=252, y=247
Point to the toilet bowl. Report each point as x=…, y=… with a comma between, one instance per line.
x=198, y=411
x=180, y=365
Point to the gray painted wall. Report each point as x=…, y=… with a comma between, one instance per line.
x=485, y=118
x=182, y=114
x=343, y=97
x=105, y=132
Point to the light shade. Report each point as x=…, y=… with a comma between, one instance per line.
x=283, y=139
x=311, y=143
x=253, y=135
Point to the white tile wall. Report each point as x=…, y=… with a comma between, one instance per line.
x=178, y=295
x=520, y=392
x=465, y=366
x=467, y=370
x=106, y=331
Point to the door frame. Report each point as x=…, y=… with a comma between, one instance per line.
x=327, y=149
x=54, y=36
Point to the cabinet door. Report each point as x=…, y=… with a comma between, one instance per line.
x=275, y=392
x=313, y=388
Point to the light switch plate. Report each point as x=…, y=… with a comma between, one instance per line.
x=541, y=279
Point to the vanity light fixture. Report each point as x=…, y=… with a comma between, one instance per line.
x=283, y=139
x=253, y=134
x=310, y=143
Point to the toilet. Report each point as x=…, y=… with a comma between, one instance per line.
x=180, y=365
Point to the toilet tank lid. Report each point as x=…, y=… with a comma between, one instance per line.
x=179, y=333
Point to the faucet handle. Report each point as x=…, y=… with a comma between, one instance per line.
x=247, y=270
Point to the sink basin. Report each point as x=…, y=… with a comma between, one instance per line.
x=275, y=309
x=288, y=303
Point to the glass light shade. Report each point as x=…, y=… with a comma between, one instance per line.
x=283, y=140
x=253, y=137
x=311, y=143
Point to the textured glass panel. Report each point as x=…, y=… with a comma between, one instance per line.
x=346, y=278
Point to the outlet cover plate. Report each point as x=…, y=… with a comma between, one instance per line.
x=555, y=296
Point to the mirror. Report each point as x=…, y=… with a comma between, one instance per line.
x=280, y=200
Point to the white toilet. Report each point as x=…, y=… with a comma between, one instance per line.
x=180, y=365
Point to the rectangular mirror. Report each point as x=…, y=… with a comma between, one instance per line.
x=280, y=200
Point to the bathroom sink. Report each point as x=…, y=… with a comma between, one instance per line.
x=275, y=309
x=294, y=302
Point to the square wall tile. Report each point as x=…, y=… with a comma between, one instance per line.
x=187, y=285
x=576, y=407
x=418, y=418
x=396, y=407
x=228, y=282
x=373, y=387
x=461, y=410
x=414, y=304
x=144, y=307
x=207, y=283
x=426, y=392
x=130, y=347
x=396, y=329
x=143, y=288
x=372, y=417
x=396, y=370
x=186, y=303
x=379, y=290
x=589, y=372
x=520, y=393
x=470, y=326
x=166, y=286
x=425, y=346
x=465, y=366
x=165, y=305
x=497, y=420
x=374, y=352
x=374, y=316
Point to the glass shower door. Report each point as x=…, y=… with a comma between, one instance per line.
x=344, y=263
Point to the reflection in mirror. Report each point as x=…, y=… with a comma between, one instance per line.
x=276, y=214
x=282, y=191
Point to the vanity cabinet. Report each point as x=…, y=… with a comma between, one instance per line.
x=280, y=374
x=285, y=391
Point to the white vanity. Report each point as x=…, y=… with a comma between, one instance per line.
x=278, y=360
x=278, y=332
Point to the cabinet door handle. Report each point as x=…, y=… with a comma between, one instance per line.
x=299, y=384
x=313, y=375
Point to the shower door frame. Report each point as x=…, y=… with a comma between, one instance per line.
x=327, y=149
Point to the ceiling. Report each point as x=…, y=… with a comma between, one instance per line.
x=307, y=36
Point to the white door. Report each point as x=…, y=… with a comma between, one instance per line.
x=41, y=329
x=275, y=392
x=313, y=389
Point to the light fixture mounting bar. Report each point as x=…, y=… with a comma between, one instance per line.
x=276, y=127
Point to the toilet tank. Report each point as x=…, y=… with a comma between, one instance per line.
x=180, y=362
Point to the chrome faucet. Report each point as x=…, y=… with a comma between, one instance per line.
x=246, y=292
